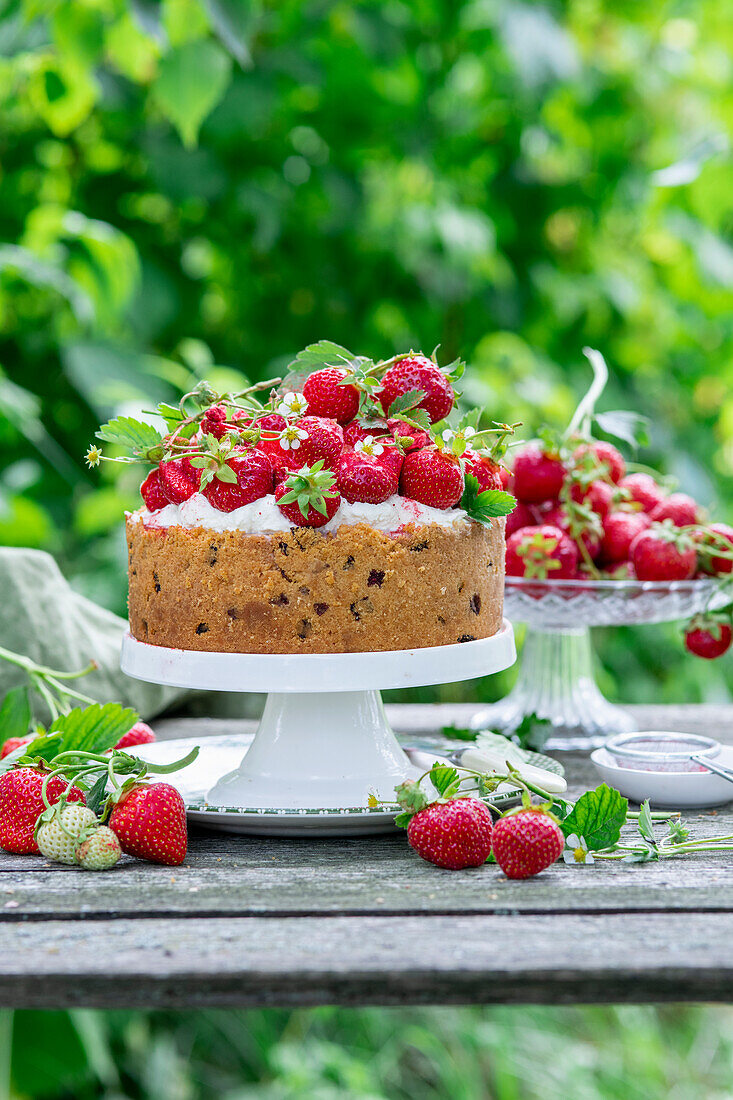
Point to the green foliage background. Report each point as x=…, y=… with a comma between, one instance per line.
x=201, y=187
x=198, y=188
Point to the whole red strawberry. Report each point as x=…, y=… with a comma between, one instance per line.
x=21, y=804
x=328, y=395
x=643, y=489
x=543, y=552
x=355, y=433
x=663, y=554
x=12, y=744
x=716, y=564
x=362, y=477
x=308, y=497
x=537, y=475
x=417, y=372
x=708, y=638
x=526, y=842
x=679, y=507
x=521, y=516
x=453, y=834
x=604, y=454
x=619, y=531
x=214, y=421
x=179, y=479
x=271, y=424
x=323, y=441
x=253, y=472
x=150, y=823
x=598, y=496
x=580, y=530
x=139, y=734
x=392, y=458
x=152, y=493
x=432, y=477
x=484, y=469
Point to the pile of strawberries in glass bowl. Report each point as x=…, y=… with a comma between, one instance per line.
x=595, y=540
x=584, y=517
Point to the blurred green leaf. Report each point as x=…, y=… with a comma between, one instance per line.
x=191, y=81
x=15, y=714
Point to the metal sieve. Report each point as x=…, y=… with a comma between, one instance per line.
x=661, y=751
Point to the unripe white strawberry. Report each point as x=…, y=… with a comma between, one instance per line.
x=100, y=851
x=61, y=829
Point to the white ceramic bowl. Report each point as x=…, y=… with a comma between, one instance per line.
x=667, y=789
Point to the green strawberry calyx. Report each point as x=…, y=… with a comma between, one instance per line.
x=310, y=487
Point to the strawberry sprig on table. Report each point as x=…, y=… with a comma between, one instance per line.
x=584, y=513
x=59, y=784
x=456, y=828
x=339, y=426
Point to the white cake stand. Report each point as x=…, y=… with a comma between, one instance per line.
x=323, y=742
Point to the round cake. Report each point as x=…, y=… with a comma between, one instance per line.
x=344, y=514
x=370, y=582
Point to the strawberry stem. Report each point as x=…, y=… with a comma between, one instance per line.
x=583, y=415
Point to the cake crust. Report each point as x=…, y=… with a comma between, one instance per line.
x=355, y=590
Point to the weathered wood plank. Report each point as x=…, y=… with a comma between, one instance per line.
x=248, y=876
x=713, y=720
x=390, y=960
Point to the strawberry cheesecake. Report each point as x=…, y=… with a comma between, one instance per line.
x=343, y=514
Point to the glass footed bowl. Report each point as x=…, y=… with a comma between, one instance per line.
x=556, y=681
x=562, y=605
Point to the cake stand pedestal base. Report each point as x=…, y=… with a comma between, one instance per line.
x=317, y=750
x=556, y=683
x=323, y=743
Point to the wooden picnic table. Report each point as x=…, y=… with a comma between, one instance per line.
x=250, y=921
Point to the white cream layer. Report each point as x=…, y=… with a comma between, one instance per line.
x=262, y=516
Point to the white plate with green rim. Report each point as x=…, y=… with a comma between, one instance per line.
x=218, y=755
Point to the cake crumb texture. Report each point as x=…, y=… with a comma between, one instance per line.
x=303, y=591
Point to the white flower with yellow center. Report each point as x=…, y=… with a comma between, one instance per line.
x=292, y=404
x=368, y=446
x=290, y=437
x=576, y=850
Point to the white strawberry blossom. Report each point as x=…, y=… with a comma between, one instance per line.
x=292, y=404
x=576, y=850
x=368, y=446
x=291, y=436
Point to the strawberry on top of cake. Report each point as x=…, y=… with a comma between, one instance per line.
x=349, y=441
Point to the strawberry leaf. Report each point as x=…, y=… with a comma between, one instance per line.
x=487, y=505
x=470, y=419
x=631, y=427
x=226, y=473
x=312, y=358
x=98, y=793
x=409, y=400
x=454, y=370
x=95, y=728
x=173, y=418
x=416, y=418
x=598, y=816
x=444, y=778
x=15, y=713
x=134, y=435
